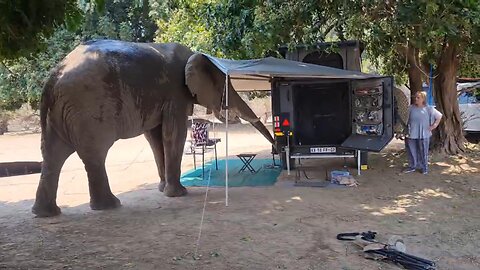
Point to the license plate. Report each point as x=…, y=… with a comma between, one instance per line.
x=320, y=150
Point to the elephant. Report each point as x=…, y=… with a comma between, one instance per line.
x=106, y=90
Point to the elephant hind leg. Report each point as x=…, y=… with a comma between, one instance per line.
x=93, y=156
x=55, y=152
x=154, y=138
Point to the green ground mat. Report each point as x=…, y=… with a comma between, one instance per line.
x=265, y=175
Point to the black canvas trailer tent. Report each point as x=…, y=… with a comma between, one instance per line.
x=318, y=111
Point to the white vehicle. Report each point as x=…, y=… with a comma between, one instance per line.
x=469, y=105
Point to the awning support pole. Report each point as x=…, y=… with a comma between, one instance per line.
x=358, y=161
x=226, y=140
x=287, y=153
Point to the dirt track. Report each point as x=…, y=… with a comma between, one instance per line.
x=279, y=227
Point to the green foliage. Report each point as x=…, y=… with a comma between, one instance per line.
x=425, y=25
x=230, y=29
x=121, y=19
x=290, y=23
x=245, y=28
x=470, y=66
x=25, y=24
x=183, y=27
x=231, y=22
x=21, y=79
x=250, y=29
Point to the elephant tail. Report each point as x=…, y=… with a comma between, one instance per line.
x=47, y=101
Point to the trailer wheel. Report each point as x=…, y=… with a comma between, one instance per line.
x=283, y=160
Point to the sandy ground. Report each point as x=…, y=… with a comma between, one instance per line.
x=278, y=227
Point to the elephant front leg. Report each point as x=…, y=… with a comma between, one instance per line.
x=174, y=135
x=154, y=138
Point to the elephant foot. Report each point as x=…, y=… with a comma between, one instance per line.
x=175, y=191
x=110, y=202
x=161, y=186
x=47, y=210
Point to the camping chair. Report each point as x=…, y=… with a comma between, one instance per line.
x=201, y=142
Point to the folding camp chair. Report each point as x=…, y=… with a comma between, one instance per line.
x=201, y=142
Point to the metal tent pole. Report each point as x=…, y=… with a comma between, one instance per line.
x=287, y=152
x=358, y=161
x=226, y=140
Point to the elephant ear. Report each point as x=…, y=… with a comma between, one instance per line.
x=203, y=80
x=192, y=72
x=206, y=83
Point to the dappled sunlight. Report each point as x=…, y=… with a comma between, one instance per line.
x=432, y=193
x=217, y=202
x=294, y=198
x=72, y=203
x=366, y=207
x=457, y=165
x=395, y=157
x=403, y=202
x=468, y=162
x=265, y=212
x=277, y=206
x=389, y=211
x=461, y=168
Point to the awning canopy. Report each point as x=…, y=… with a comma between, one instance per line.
x=256, y=74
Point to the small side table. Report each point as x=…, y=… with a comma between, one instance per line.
x=247, y=160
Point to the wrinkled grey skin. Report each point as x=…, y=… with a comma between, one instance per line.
x=109, y=90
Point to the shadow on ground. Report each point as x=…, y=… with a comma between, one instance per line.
x=262, y=228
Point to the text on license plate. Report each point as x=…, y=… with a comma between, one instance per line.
x=318, y=150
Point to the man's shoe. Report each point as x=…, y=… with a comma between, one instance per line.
x=425, y=172
x=409, y=170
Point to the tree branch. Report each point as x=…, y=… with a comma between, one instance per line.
x=328, y=30
x=9, y=70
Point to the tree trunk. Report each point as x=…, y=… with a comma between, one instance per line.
x=414, y=72
x=449, y=136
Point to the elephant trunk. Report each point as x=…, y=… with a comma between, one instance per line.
x=261, y=127
x=246, y=113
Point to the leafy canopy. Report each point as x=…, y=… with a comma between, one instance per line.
x=425, y=25
x=25, y=25
x=21, y=79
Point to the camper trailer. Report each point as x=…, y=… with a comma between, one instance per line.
x=331, y=117
x=317, y=111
